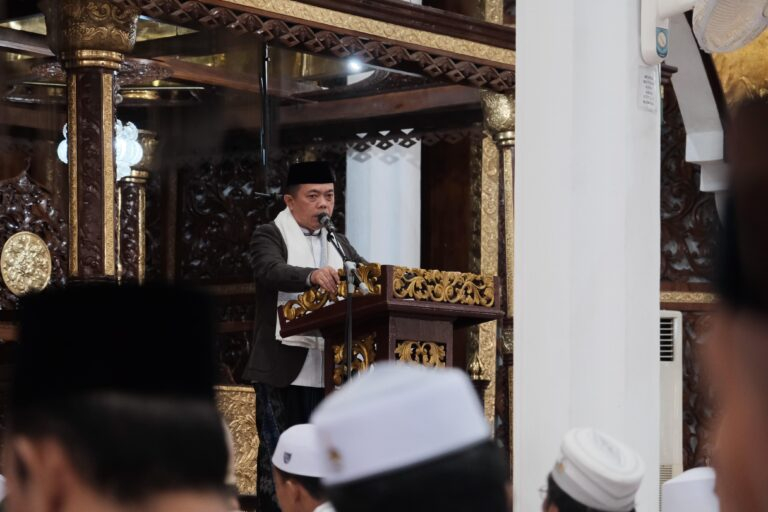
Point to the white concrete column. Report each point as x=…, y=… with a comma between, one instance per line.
x=587, y=237
x=383, y=211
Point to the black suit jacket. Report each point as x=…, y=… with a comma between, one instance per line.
x=270, y=361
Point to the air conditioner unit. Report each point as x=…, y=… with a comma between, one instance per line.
x=671, y=387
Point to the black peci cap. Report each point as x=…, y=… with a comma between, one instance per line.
x=139, y=340
x=310, y=172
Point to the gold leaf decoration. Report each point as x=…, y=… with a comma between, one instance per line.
x=439, y=286
x=316, y=297
x=237, y=406
x=25, y=263
x=363, y=356
x=425, y=353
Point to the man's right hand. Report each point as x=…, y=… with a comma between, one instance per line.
x=326, y=278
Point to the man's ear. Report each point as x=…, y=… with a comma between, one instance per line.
x=39, y=471
x=288, y=200
x=294, y=490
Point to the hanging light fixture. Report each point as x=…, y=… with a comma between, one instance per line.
x=128, y=151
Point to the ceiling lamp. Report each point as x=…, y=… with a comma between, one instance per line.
x=128, y=151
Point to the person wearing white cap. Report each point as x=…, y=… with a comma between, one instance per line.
x=403, y=438
x=297, y=466
x=595, y=472
x=692, y=490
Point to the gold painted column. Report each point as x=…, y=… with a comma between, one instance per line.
x=132, y=207
x=499, y=116
x=90, y=38
x=481, y=355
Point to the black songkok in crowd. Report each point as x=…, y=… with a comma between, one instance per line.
x=143, y=341
x=310, y=172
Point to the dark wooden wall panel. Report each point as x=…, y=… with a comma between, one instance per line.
x=689, y=227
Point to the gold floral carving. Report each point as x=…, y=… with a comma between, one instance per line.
x=425, y=353
x=100, y=25
x=25, y=263
x=363, y=356
x=441, y=286
x=237, y=406
x=316, y=298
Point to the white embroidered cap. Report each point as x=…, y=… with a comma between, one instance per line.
x=691, y=490
x=598, y=471
x=397, y=415
x=299, y=452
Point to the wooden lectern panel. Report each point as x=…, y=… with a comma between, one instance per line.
x=411, y=316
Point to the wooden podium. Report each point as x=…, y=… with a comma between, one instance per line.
x=409, y=315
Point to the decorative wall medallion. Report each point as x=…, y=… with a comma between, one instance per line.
x=25, y=263
x=425, y=353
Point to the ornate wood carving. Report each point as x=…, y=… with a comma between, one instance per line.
x=88, y=138
x=130, y=208
x=689, y=219
x=697, y=399
x=234, y=337
x=363, y=356
x=315, y=38
x=424, y=353
x=25, y=206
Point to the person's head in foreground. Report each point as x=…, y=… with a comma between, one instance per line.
x=112, y=406
x=409, y=439
x=298, y=464
x=737, y=345
x=594, y=473
x=691, y=490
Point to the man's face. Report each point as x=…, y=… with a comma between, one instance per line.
x=737, y=354
x=284, y=493
x=310, y=200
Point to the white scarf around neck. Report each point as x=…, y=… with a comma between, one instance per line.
x=300, y=255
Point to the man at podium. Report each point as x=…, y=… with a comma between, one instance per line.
x=288, y=256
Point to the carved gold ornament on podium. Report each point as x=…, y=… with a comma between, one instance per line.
x=25, y=263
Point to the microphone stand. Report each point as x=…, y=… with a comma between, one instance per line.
x=350, y=292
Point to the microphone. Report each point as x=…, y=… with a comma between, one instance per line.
x=326, y=222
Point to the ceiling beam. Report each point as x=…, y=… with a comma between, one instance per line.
x=24, y=42
x=218, y=77
x=380, y=105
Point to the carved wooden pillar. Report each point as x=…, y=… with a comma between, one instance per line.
x=90, y=38
x=499, y=117
x=481, y=360
x=132, y=205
